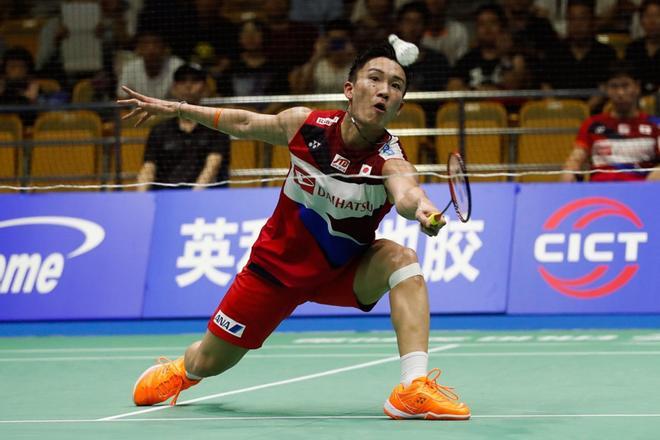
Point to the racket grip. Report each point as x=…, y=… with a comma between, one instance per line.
x=435, y=218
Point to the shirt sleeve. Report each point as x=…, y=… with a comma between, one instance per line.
x=583, y=139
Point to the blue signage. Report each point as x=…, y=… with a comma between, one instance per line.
x=202, y=239
x=73, y=256
x=586, y=249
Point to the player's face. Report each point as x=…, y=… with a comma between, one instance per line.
x=377, y=95
x=623, y=91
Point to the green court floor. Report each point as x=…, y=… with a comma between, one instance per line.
x=520, y=385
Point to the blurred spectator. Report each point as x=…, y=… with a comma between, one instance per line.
x=112, y=30
x=289, y=43
x=17, y=83
x=327, y=69
x=532, y=34
x=443, y=35
x=643, y=53
x=492, y=64
x=374, y=25
x=431, y=70
x=253, y=73
x=151, y=73
x=616, y=16
x=621, y=139
x=183, y=151
x=579, y=61
x=317, y=11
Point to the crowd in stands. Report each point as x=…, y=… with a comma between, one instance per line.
x=267, y=47
x=257, y=47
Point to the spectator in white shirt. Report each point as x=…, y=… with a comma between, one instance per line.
x=153, y=70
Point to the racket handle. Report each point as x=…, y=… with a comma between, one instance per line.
x=435, y=218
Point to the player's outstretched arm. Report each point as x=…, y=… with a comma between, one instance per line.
x=408, y=197
x=274, y=129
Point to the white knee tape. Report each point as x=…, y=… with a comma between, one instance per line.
x=404, y=273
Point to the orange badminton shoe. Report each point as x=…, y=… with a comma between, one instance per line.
x=424, y=398
x=160, y=382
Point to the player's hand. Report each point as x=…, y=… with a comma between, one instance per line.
x=146, y=107
x=430, y=220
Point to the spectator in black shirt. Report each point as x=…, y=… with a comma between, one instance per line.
x=183, y=151
x=580, y=61
x=643, y=53
x=431, y=70
x=492, y=64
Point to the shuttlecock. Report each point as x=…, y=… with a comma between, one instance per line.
x=406, y=52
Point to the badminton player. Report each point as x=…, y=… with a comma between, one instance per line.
x=319, y=243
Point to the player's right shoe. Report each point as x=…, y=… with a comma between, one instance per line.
x=424, y=398
x=162, y=381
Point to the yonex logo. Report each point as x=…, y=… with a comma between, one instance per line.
x=594, y=247
x=229, y=325
x=314, y=144
x=24, y=272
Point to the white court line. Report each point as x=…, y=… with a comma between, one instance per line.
x=341, y=355
x=278, y=383
x=319, y=417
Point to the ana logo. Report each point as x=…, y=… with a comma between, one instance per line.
x=593, y=247
x=24, y=272
x=306, y=182
x=365, y=170
x=340, y=163
x=229, y=325
x=327, y=121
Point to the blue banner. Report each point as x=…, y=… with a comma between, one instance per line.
x=73, y=256
x=202, y=239
x=586, y=249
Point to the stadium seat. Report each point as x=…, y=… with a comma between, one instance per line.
x=133, y=144
x=479, y=149
x=411, y=116
x=83, y=91
x=49, y=86
x=11, y=130
x=65, y=162
x=549, y=148
x=648, y=104
x=245, y=154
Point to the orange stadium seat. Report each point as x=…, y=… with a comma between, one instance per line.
x=549, y=148
x=11, y=130
x=245, y=154
x=66, y=162
x=479, y=149
x=411, y=116
x=83, y=91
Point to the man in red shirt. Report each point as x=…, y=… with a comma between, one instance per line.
x=618, y=142
x=319, y=245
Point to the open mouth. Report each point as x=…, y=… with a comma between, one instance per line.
x=380, y=107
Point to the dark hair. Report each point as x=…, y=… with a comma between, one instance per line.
x=589, y=4
x=493, y=8
x=646, y=4
x=415, y=6
x=384, y=50
x=339, y=25
x=18, y=53
x=622, y=68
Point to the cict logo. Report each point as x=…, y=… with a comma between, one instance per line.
x=594, y=247
x=25, y=272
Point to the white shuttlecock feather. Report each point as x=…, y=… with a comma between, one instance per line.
x=406, y=52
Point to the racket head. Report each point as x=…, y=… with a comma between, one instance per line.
x=459, y=187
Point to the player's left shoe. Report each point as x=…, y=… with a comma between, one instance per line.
x=160, y=382
x=426, y=399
